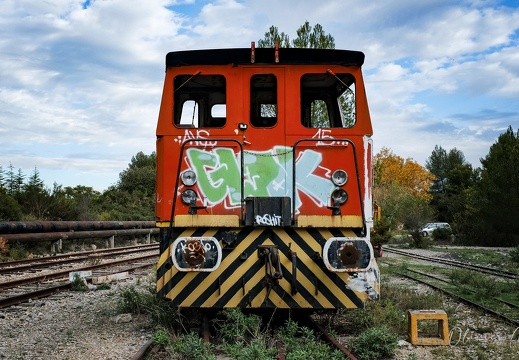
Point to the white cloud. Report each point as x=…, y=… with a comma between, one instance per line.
x=80, y=85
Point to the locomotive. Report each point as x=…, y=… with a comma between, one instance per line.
x=264, y=180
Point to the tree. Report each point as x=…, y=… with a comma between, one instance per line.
x=140, y=175
x=273, y=37
x=10, y=210
x=133, y=197
x=499, y=190
x=314, y=38
x=34, y=198
x=401, y=189
x=437, y=165
x=83, y=200
x=411, y=176
x=2, y=180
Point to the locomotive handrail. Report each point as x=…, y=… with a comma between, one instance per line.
x=294, y=190
x=215, y=140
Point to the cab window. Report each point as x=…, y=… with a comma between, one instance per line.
x=328, y=100
x=200, y=101
x=263, y=92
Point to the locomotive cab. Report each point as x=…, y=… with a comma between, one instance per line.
x=264, y=180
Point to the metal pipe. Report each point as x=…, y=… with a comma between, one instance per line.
x=78, y=234
x=14, y=227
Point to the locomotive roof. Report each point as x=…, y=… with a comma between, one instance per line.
x=264, y=56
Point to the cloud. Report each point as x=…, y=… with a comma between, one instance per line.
x=81, y=81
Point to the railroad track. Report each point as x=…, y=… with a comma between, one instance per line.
x=461, y=298
x=24, y=288
x=480, y=268
x=13, y=267
x=505, y=310
x=281, y=350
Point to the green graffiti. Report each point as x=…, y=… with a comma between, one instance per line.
x=218, y=174
x=267, y=173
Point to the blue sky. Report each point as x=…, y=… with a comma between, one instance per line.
x=80, y=81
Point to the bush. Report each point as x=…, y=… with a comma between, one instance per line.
x=192, y=347
x=442, y=234
x=375, y=343
x=514, y=255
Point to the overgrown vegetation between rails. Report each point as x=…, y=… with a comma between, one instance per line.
x=372, y=333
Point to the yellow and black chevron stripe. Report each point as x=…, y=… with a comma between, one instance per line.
x=241, y=281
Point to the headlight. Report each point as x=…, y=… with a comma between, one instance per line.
x=188, y=178
x=339, y=177
x=339, y=197
x=188, y=196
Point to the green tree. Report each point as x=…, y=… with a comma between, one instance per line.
x=499, y=191
x=83, y=201
x=133, y=197
x=34, y=197
x=10, y=210
x=2, y=180
x=451, y=194
x=273, y=37
x=315, y=38
x=437, y=165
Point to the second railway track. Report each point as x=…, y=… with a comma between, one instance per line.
x=27, y=286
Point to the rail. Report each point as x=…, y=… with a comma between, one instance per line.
x=58, y=231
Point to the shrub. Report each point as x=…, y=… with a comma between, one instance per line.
x=192, y=347
x=77, y=283
x=161, y=338
x=514, y=255
x=442, y=234
x=4, y=247
x=375, y=343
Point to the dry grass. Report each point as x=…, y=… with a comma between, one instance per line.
x=4, y=247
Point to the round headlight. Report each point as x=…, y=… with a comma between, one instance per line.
x=188, y=178
x=339, y=197
x=339, y=177
x=188, y=196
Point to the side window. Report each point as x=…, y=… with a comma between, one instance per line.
x=263, y=100
x=200, y=100
x=328, y=101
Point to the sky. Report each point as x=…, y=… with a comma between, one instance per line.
x=81, y=81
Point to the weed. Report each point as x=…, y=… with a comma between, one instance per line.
x=4, y=246
x=18, y=252
x=192, y=347
x=161, y=337
x=77, y=283
x=103, y=286
x=145, y=302
x=391, y=310
x=238, y=325
x=375, y=343
x=514, y=255
x=135, y=301
x=256, y=348
x=301, y=343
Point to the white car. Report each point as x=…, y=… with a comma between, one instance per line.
x=428, y=229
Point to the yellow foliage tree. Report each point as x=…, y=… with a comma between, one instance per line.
x=390, y=169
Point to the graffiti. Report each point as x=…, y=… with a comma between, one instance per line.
x=268, y=220
x=201, y=135
x=265, y=173
x=327, y=138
